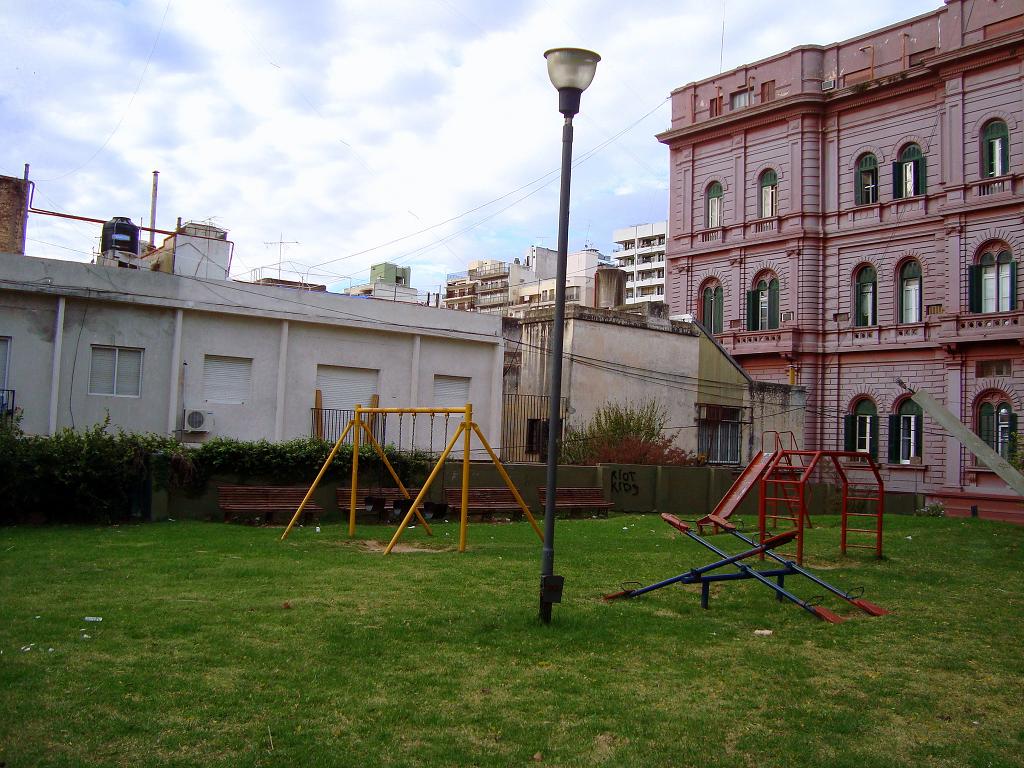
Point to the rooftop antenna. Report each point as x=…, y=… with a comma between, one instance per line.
x=280, y=243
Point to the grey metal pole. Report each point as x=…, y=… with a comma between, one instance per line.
x=550, y=587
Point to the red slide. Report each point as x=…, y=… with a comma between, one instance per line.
x=743, y=485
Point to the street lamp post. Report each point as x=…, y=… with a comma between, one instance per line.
x=571, y=71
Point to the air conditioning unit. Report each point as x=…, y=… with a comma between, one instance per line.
x=787, y=317
x=828, y=85
x=198, y=421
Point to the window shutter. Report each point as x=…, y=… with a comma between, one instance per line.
x=226, y=379
x=101, y=377
x=849, y=432
x=752, y=310
x=129, y=372
x=894, y=438
x=987, y=424
x=773, y=304
x=920, y=176
x=1013, y=285
x=345, y=388
x=919, y=435
x=974, y=288
x=1013, y=427
x=1004, y=153
x=858, y=186
x=451, y=391
x=873, y=447
x=719, y=323
x=897, y=181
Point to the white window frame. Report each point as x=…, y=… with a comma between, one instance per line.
x=911, y=290
x=769, y=201
x=714, y=212
x=995, y=287
x=864, y=431
x=116, y=379
x=995, y=149
x=1002, y=435
x=5, y=360
x=762, y=309
x=908, y=171
x=908, y=438
x=866, y=302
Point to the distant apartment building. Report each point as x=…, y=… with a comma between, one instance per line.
x=850, y=215
x=640, y=253
x=388, y=282
x=511, y=288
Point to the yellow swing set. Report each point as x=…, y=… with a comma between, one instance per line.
x=360, y=425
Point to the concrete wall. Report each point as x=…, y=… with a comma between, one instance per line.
x=177, y=322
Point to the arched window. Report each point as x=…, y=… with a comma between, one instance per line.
x=866, y=182
x=860, y=428
x=992, y=282
x=909, y=174
x=712, y=311
x=905, y=433
x=910, y=292
x=996, y=423
x=769, y=184
x=713, y=205
x=763, y=305
x=995, y=149
x=865, y=297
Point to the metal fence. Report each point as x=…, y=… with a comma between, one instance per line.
x=524, y=427
x=6, y=402
x=328, y=424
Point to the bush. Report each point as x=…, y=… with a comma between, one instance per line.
x=626, y=434
x=98, y=476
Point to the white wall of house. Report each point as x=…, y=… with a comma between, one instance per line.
x=277, y=337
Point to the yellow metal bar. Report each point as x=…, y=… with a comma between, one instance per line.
x=355, y=476
x=426, y=486
x=508, y=481
x=394, y=476
x=411, y=410
x=312, y=488
x=464, y=510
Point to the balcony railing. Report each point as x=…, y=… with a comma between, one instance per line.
x=6, y=402
x=494, y=270
x=328, y=424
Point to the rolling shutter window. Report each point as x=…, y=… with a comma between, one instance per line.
x=116, y=371
x=5, y=353
x=345, y=388
x=451, y=391
x=226, y=379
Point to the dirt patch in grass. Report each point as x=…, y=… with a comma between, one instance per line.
x=380, y=546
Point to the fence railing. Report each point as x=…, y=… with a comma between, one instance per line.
x=524, y=432
x=6, y=402
x=328, y=424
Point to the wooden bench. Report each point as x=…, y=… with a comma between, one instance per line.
x=577, y=499
x=483, y=502
x=265, y=504
x=379, y=501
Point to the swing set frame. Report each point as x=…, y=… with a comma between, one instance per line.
x=359, y=425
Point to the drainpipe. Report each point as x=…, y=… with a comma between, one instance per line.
x=58, y=344
x=152, y=212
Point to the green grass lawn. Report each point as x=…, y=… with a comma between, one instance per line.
x=220, y=645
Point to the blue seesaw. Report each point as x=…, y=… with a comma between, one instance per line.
x=705, y=577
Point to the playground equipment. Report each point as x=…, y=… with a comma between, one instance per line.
x=362, y=422
x=783, y=475
x=705, y=577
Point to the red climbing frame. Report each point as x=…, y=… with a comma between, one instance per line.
x=784, y=495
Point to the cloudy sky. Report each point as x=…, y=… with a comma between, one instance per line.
x=334, y=134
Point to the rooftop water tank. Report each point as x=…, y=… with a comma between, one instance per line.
x=609, y=288
x=120, y=234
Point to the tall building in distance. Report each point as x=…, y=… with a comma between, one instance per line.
x=640, y=253
x=849, y=215
x=512, y=288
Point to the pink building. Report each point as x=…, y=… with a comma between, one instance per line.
x=848, y=215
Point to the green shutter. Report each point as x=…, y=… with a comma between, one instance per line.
x=894, y=438
x=773, y=304
x=987, y=424
x=752, y=311
x=1013, y=285
x=1013, y=425
x=849, y=432
x=974, y=288
x=873, y=447
x=858, y=186
x=920, y=176
x=707, y=310
x=897, y=181
x=719, y=324
x=919, y=434
x=1004, y=150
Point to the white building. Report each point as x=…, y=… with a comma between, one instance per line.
x=640, y=252
x=80, y=341
x=580, y=268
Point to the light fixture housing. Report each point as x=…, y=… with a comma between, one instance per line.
x=571, y=71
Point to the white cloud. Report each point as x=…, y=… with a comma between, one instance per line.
x=344, y=125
